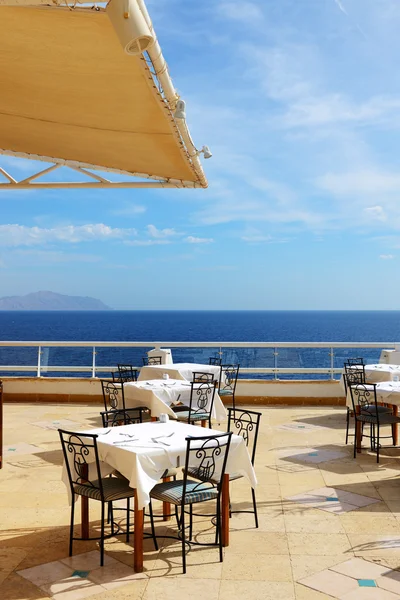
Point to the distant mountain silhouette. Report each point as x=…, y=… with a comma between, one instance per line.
x=51, y=301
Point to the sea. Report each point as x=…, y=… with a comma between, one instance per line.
x=213, y=326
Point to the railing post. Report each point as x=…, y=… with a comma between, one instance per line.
x=94, y=361
x=275, y=363
x=39, y=360
x=332, y=355
x=220, y=352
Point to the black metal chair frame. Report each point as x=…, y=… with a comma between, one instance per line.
x=151, y=360
x=76, y=446
x=127, y=373
x=113, y=395
x=205, y=450
x=1, y=424
x=203, y=391
x=246, y=423
x=228, y=381
x=121, y=416
x=216, y=361
x=351, y=375
x=366, y=410
x=202, y=377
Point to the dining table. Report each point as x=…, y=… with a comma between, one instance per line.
x=177, y=371
x=161, y=395
x=143, y=452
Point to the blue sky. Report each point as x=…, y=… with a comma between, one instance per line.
x=299, y=101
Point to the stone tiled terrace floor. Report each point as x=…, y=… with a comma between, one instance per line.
x=329, y=525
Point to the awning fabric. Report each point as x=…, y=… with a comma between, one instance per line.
x=70, y=92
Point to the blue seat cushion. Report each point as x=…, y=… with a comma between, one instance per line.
x=114, y=488
x=172, y=491
x=199, y=416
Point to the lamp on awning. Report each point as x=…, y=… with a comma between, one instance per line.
x=130, y=26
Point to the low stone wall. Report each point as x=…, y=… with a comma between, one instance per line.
x=248, y=391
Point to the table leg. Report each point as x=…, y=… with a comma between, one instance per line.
x=358, y=435
x=203, y=423
x=138, y=537
x=395, y=426
x=154, y=418
x=84, y=508
x=225, y=511
x=166, y=505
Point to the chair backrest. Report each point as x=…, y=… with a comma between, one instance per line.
x=353, y=374
x=228, y=378
x=245, y=423
x=363, y=397
x=201, y=398
x=127, y=373
x=129, y=416
x=201, y=377
x=151, y=360
x=206, y=455
x=354, y=361
x=113, y=395
x=215, y=360
x=80, y=450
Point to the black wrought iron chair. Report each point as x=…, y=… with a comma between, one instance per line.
x=113, y=395
x=127, y=373
x=207, y=456
x=80, y=453
x=202, y=377
x=228, y=380
x=245, y=423
x=201, y=403
x=351, y=362
x=365, y=407
x=215, y=360
x=354, y=374
x=127, y=416
x=151, y=360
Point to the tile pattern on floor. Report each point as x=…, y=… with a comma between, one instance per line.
x=55, y=425
x=332, y=500
x=20, y=448
x=299, y=427
x=347, y=580
x=61, y=579
x=311, y=455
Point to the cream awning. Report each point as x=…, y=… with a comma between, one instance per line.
x=70, y=94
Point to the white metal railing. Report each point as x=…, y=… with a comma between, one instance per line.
x=93, y=368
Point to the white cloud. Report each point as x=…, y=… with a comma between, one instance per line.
x=198, y=240
x=21, y=235
x=241, y=11
x=160, y=233
x=256, y=239
x=147, y=242
x=377, y=212
x=44, y=257
x=386, y=256
x=130, y=209
x=368, y=182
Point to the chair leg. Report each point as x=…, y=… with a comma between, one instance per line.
x=111, y=516
x=102, y=536
x=347, y=425
x=355, y=438
x=71, y=528
x=394, y=434
x=128, y=504
x=253, y=494
x=177, y=516
x=183, y=539
x=377, y=443
x=190, y=522
x=153, y=531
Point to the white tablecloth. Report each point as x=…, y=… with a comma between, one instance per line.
x=387, y=392
x=143, y=461
x=177, y=371
x=160, y=394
